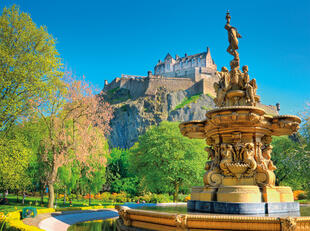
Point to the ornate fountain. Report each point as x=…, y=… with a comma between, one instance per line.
x=239, y=177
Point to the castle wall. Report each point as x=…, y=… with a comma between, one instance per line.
x=137, y=87
x=114, y=84
x=208, y=83
x=172, y=84
x=148, y=86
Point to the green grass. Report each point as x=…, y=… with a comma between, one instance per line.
x=112, y=91
x=187, y=101
x=206, y=108
x=211, y=96
x=305, y=201
x=35, y=202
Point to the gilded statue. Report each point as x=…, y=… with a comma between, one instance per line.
x=233, y=36
x=248, y=158
x=222, y=86
x=227, y=157
x=249, y=86
x=266, y=153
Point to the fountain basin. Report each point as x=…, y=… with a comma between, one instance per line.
x=141, y=220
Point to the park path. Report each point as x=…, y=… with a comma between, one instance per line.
x=61, y=222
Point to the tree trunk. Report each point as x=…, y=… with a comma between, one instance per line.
x=51, y=195
x=176, y=192
x=3, y=195
x=23, y=202
x=50, y=185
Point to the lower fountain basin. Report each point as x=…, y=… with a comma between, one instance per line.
x=142, y=220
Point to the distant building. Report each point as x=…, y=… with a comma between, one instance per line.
x=195, y=73
x=196, y=66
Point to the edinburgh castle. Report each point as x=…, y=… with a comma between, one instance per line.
x=194, y=73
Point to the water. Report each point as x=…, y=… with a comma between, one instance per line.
x=106, y=225
x=110, y=224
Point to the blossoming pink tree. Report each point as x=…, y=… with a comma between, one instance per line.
x=77, y=122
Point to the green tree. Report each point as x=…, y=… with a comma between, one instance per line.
x=29, y=64
x=166, y=161
x=14, y=160
x=119, y=179
x=76, y=122
x=292, y=161
x=68, y=177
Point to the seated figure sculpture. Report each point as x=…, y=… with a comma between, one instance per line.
x=235, y=87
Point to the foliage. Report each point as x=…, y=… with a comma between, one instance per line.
x=166, y=161
x=287, y=153
x=29, y=64
x=76, y=122
x=118, y=177
x=14, y=161
x=187, y=101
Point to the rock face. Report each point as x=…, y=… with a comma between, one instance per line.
x=133, y=117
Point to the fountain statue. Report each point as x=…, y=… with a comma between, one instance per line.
x=239, y=177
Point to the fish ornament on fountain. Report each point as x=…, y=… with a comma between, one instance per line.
x=239, y=174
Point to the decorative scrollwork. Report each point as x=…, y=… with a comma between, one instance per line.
x=181, y=222
x=288, y=224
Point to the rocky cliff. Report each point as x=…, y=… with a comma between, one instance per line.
x=133, y=117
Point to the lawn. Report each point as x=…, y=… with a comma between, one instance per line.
x=13, y=205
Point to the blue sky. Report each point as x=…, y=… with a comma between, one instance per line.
x=103, y=39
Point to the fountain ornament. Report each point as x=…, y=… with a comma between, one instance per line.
x=239, y=177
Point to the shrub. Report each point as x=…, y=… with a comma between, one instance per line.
x=297, y=193
x=106, y=196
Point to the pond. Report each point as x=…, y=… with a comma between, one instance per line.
x=105, y=225
x=110, y=224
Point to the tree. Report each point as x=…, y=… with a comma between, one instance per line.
x=287, y=153
x=76, y=122
x=68, y=177
x=166, y=161
x=118, y=176
x=14, y=161
x=29, y=64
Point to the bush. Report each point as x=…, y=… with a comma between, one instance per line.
x=297, y=194
x=302, y=196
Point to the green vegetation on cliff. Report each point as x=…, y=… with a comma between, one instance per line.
x=188, y=100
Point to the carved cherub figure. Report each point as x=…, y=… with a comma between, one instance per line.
x=227, y=157
x=267, y=158
x=249, y=86
x=222, y=86
x=235, y=74
x=248, y=158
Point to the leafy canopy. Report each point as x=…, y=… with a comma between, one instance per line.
x=166, y=160
x=29, y=64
